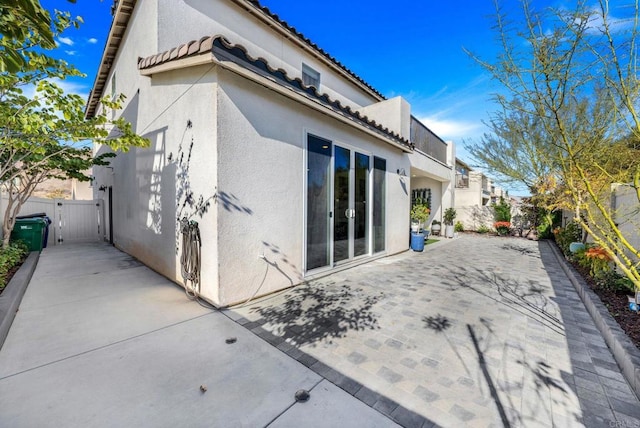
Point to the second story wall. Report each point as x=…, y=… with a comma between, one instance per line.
x=180, y=21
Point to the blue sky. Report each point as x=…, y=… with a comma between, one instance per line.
x=414, y=49
x=410, y=48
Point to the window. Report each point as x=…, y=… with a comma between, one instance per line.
x=422, y=196
x=310, y=77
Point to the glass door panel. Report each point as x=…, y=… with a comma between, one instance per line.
x=318, y=202
x=341, y=203
x=379, y=204
x=361, y=193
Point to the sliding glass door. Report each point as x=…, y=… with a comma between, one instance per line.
x=339, y=212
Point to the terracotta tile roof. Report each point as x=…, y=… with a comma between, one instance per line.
x=207, y=44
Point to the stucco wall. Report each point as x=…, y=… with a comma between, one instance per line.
x=231, y=145
x=472, y=217
x=180, y=21
x=627, y=213
x=472, y=195
x=261, y=169
x=139, y=40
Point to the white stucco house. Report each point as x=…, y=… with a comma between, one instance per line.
x=475, y=192
x=292, y=165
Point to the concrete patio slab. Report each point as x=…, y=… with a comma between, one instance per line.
x=155, y=379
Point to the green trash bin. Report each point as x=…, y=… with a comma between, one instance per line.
x=31, y=231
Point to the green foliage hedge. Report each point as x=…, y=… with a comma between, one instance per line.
x=566, y=235
x=10, y=257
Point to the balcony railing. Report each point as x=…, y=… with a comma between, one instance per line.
x=428, y=142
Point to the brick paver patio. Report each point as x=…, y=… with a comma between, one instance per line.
x=477, y=331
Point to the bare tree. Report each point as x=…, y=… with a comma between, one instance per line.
x=572, y=87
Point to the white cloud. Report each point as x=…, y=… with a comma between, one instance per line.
x=67, y=87
x=453, y=129
x=66, y=41
x=595, y=25
x=71, y=53
x=92, y=40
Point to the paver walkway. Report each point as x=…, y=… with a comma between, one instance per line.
x=478, y=331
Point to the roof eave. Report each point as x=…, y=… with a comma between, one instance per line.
x=119, y=25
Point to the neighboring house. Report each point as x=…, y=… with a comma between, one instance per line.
x=71, y=188
x=475, y=193
x=292, y=165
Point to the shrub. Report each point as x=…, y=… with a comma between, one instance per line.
x=615, y=282
x=599, y=261
x=483, y=229
x=502, y=227
x=565, y=236
x=9, y=258
x=502, y=210
x=459, y=227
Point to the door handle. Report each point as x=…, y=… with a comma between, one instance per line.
x=347, y=213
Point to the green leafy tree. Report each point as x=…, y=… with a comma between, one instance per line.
x=571, y=90
x=43, y=130
x=21, y=21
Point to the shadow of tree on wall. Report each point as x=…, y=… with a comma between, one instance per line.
x=272, y=253
x=231, y=203
x=313, y=313
x=189, y=203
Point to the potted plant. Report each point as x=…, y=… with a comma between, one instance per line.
x=449, y=217
x=435, y=227
x=419, y=215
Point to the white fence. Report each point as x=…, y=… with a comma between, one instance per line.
x=71, y=221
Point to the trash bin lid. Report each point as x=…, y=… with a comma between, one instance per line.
x=20, y=217
x=37, y=220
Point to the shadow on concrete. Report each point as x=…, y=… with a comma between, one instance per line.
x=487, y=377
x=438, y=323
x=311, y=314
x=525, y=296
x=390, y=408
x=521, y=249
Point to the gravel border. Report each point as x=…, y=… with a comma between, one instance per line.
x=624, y=351
x=12, y=295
